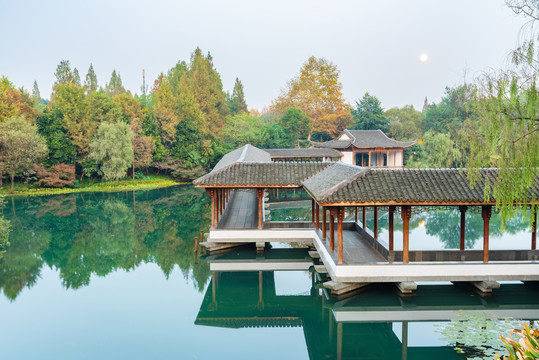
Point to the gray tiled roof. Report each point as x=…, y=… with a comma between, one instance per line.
x=331, y=178
x=365, y=139
x=305, y=153
x=245, y=153
x=257, y=174
x=426, y=186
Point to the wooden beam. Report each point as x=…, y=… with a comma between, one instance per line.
x=364, y=217
x=462, y=226
x=317, y=216
x=260, y=196
x=486, y=213
x=331, y=230
x=406, y=214
x=340, y=219
x=391, y=240
x=323, y=223
x=534, y=231
x=376, y=222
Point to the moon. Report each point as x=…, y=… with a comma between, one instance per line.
x=423, y=57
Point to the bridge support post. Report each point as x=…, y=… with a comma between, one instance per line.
x=486, y=212
x=406, y=214
x=462, y=226
x=312, y=210
x=391, y=212
x=355, y=217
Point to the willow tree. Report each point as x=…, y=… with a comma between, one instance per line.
x=507, y=135
x=112, y=149
x=317, y=91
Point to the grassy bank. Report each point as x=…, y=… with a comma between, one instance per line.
x=90, y=185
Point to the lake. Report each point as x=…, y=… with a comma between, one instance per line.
x=115, y=275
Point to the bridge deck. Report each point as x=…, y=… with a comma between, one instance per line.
x=241, y=211
x=355, y=249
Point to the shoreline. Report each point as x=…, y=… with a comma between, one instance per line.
x=109, y=186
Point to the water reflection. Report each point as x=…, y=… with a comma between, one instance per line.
x=377, y=323
x=95, y=234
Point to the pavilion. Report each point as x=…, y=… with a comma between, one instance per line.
x=368, y=148
x=356, y=256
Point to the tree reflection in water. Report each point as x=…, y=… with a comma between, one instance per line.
x=97, y=233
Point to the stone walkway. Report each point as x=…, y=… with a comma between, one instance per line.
x=241, y=211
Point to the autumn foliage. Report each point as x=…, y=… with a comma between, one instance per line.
x=58, y=176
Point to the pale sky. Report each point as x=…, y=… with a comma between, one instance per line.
x=376, y=44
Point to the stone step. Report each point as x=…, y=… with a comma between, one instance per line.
x=406, y=287
x=212, y=247
x=314, y=254
x=321, y=269
x=486, y=286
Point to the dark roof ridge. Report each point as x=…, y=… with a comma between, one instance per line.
x=361, y=171
x=353, y=138
x=213, y=172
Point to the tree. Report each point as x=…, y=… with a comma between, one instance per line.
x=236, y=102
x=369, y=115
x=76, y=77
x=15, y=102
x=405, y=123
x=90, y=84
x=507, y=133
x=114, y=86
x=317, y=91
x=242, y=129
x=439, y=151
x=21, y=147
x=50, y=126
x=63, y=73
x=112, y=149
x=456, y=107
x=295, y=124
x=142, y=146
x=36, y=96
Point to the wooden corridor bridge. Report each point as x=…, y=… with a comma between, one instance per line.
x=349, y=253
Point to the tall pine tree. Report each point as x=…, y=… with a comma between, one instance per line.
x=90, y=84
x=236, y=102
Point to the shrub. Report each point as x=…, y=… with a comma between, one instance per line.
x=526, y=346
x=58, y=176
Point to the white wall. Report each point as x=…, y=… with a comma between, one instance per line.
x=348, y=157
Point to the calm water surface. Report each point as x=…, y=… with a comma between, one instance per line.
x=114, y=276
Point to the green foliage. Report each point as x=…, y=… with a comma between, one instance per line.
x=369, y=115
x=296, y=124
x=475, y=334
x=236, y=103
x=63, y=74
x=90, y=83
x=242, y=129
x=114, y=86
x=525, y=347
x=4, y=229
x=456, y=107
x=437, y=151
x=21, y=147
x=112, y=149
x=405, y=123
x=50, y=126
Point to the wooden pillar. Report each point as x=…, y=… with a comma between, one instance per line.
x=217, y=205
x=406, y=214
x=364, y=217
x=323, y=223
x=369, y=164
x=391, y=212
x=486, y=213
x=376, y=222
x=387, y=159
x=462, y=226
x=331, y=230
x=340, y=217
x=317, y=216
x=211, y=194
x=260, y=196
x=312, y=210
x=534, y=231
x=355, y=217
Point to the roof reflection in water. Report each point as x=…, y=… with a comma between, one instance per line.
x=361, y=326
